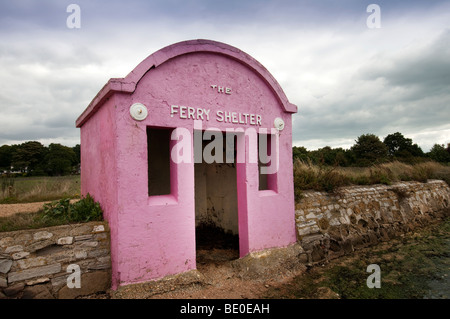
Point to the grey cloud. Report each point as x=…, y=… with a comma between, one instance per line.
x=406, y=91
x=427, y=71
x=116, y=35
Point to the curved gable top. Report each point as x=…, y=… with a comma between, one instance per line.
x=129, y=83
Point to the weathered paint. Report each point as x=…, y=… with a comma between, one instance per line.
x=152, y=237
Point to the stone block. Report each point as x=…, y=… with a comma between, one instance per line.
x=81, y=229
x=34, y=272
x=60, y=281
x=307, y=224
x=13, y=290
x=23, y=238
x=305, y=231
x=5, y=265
x=13, y=249
x=31, y=262
x=334, y=222
x=20, y=255
x=3, y=282
x=42, y=235
x=101, y=263
x=101, y=236
x=96, y=253
x=299, y=212
x=65, y=240
x=89, y=244
x=80, y=254
x=83, y=237
x=311, y=216
x=37, y=292
x=91, y=282
x=98, y=229
x=38, y=281
x=312, y=239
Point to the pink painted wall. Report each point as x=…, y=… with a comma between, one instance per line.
x=99, y=167
x=152, y=237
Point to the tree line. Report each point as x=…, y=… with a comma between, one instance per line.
x=370, y=150
x=34, y=159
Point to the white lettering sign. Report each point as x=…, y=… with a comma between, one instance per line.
x=199, y=113
x=221, y=89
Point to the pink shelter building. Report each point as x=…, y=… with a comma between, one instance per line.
x=179, y=141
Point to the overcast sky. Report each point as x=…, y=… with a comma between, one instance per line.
x=347, y=79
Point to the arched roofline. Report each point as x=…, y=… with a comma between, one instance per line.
x=129, y=83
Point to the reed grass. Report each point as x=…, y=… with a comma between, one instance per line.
x=308, y=176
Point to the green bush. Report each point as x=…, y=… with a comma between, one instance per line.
x=85, y=210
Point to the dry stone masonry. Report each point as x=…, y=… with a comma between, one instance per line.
x=35, y=263
x=330, y=225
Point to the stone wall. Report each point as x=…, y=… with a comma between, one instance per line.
x=35, y=263
x=331, y=225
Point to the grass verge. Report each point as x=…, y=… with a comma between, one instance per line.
x=38, y=189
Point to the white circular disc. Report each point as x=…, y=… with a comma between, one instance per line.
x=138, y=111
x=279, y=123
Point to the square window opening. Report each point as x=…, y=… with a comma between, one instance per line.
x=159, y=163
x=267, y=162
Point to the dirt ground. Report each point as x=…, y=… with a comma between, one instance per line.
x=11, y=209
x=220, y=274
x=215, y=278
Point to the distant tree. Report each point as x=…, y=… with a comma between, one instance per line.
x=330, y=156
x=439, y=153
x=77, y=151
x=300, y=152
x=28, y=156
x=343, y=157
x=401, y=148
x=325, y=155
x=60, y=159
x=6, y=153
x=369, y=150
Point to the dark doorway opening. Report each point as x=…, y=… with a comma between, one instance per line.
x=214, y=245
x=216, y=206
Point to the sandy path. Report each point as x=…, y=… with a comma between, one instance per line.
x=11, y=209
